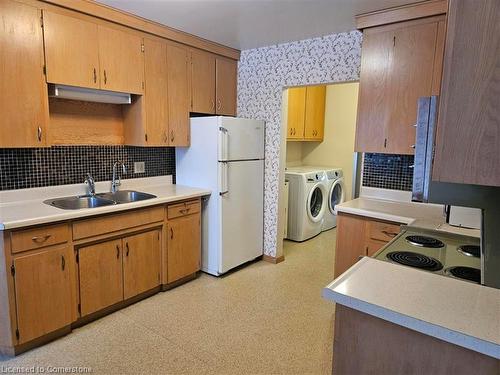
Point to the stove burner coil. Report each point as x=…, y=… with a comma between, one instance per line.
x=466, y=273
x=424, y=241
x=421, y=261
x=470, y=250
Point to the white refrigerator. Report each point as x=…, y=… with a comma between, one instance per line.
x=227, y=156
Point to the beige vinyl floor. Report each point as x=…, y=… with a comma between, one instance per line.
x=262, y=319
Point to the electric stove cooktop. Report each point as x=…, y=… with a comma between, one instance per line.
x=445, y=254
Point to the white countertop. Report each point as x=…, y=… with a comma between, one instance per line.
x=422, y=215
x=459, y=312
x=25, y=207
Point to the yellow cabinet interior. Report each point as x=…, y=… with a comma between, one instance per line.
x=306, y=113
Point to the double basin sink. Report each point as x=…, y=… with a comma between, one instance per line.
x=98, y=200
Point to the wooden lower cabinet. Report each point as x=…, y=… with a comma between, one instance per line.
x=183, y=246
x=101, y=276
x=42, y=292
x=141, y=263
x=359, y=236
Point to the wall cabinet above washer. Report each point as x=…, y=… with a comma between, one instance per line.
x=306, y=113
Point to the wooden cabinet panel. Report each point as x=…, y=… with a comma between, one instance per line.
x=202, y=82
x=121, y=61
x=71, y=51
x=372, y=246
x=468, y=130
x=34, y=238
x=315, y=112
x=183, y=247
x=178, y=96
x=226, y=73
x=111, y=223
x=181, y=209
x=411, y=78
x=351, y=242
x=43, y=293
x=381, y=231
x=156, y=92
x=24, y=105
x=141, y=263
x=101, y=277
x=400, y=63
x=296, y=112
x=374, y=103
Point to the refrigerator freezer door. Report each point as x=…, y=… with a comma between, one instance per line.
x=242, y=214
x=240, y=139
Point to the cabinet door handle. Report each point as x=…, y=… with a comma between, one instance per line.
x=172, y=135
x=128, y=250
x=390, y=234
x=95, y=75
x=213, y=105
x=39, y=134
x=63, y=262
x=219, y=105
x=117, y=252
x=165, y=137
x=105, y=77
x=41, y=239
x=171, y=233
x=184, y=210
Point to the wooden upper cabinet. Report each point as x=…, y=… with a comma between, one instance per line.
x=121, y=61
x=42, y=293
x=100, y=276
x=178, y=95
x=399, y=63
x=141, y=263
x=24, y=105
x=226, y=73
x=468, y=129
x=315, y=112
x=71, y=51
x=183, y=247
x=202, y=82
x=296, y=112
x=156, y=92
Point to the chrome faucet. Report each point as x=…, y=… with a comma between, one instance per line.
x=91, y=184
x=114, y=183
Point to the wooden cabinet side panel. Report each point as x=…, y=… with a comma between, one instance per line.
x=374, y=102
x=121, y=61
x=296, y=112
x=358, y=350
x=183, y=246
x=24, y=107
x=7, y=298
x=71, y=50
x=468, y=131
x=43, y=292
x=141, y=262
x=314, y=122
x=351, y=242
x=101, y=276
x=178, y=97
x=202, y=82
x=226, y=73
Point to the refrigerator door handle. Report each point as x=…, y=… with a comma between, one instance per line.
x=223, y=178
x=224, y=143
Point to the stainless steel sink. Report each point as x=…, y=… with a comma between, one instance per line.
x=76, y=203
x=126, y=196
x=98, y=200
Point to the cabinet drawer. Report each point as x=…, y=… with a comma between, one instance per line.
x=182, y=209
x=372, y=246
x=382, y=231
x=35, y=238
x=112, y=223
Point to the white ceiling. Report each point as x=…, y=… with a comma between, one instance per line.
x=245, y=24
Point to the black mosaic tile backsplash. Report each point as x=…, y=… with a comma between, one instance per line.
x=388, y=171
x=22, y=168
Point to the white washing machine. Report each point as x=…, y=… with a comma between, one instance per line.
x=335, y=195
x=306, y=203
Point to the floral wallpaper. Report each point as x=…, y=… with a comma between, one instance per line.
x=262, y=75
